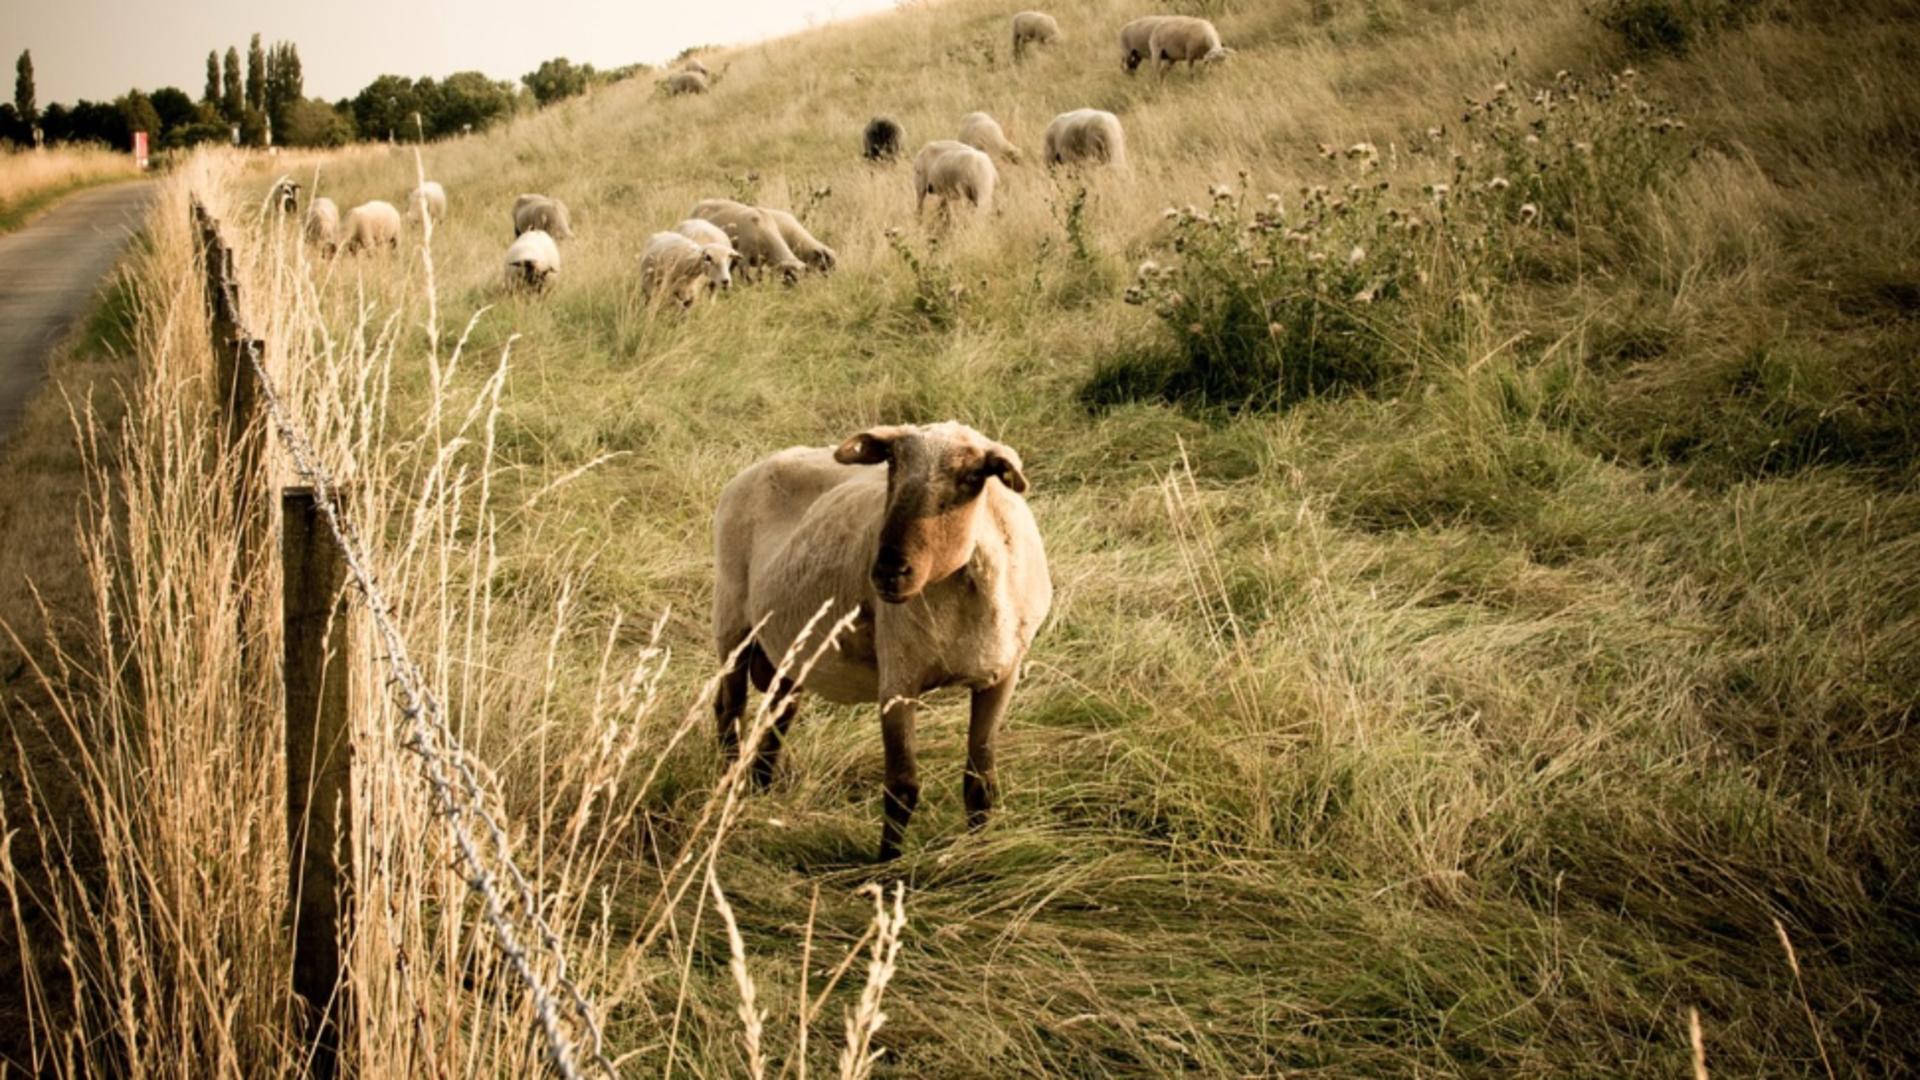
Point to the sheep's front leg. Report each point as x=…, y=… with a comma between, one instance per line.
x=730, y=701
x=981, y=783
x=903, y=773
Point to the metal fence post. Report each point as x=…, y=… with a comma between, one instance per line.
x=319, y=657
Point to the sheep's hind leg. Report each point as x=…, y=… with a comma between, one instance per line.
x=785, y=699
x=730, y=698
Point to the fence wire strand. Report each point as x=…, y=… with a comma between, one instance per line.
x=456, y=791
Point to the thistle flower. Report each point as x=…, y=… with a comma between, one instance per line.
x=1220, y=192
x=1357, y=256
x=1148, y=269
x=1362, y=149
x=1498, y=183
x=1528, y=212
x=1134, y=295
x=1169, y=214
x=1275, y=329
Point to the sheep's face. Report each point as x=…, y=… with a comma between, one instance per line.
x=716, y=262
x=935, y=475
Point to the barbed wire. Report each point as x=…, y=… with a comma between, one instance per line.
x=455, y=788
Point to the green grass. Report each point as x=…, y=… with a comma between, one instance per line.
x=1481, y=717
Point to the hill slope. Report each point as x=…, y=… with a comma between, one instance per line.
x=1472, y=685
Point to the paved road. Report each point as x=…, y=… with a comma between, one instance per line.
x=50, y=272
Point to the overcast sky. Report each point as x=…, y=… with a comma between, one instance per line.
x=99, y=49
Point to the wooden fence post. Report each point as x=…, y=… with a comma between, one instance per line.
x=319, y=658
x=237, y=394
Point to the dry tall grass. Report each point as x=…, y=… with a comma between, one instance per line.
x=27, y=176
x=1482, y=722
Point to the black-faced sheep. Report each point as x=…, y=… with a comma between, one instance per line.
x=953, y=170
x=540, y=212
x=369, y=225
x=284, y=195
x=982, y=132
x=1184, y=38
x=671, y=265
x=1036, y=27
x=937, y=556
x=323, y=226
x=754, y=235
x=533, y=259
x=1136, y=40
x=882, y=140
x=1086, y=135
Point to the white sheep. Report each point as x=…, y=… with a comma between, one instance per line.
x=1182, y=37
x=953, y=170
x=323, y=226
x=755, y=236
x=543, y=213
x=685, y=82
x=983, y=133
x=1086, y=135
x=1037, y=27
x=801, y=242
x=532, y=260
x=937, y=558
x=1136, y=40
x=702, y=231
x=429, y=196
x=369, y=225
x=671, y=265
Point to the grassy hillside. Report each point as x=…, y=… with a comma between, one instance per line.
x=1512, y=650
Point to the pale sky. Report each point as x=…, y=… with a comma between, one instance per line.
x=99, y=49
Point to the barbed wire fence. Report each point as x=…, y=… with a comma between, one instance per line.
x=509, y=900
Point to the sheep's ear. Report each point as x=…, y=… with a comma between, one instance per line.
x=870, y=447
x=1005, y=464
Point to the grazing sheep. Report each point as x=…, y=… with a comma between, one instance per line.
x=1136, y=40
x=693, y=64
x=672, y=265
x=883, y=139
x=429, y=196
x=543, y=213
x=532, y=260
x=756, y=237
x=323, y=226
x=1182, y=37
x=1086, y=135
x=953, y=170
x=801, y=242
x=982, y=132
x=1035, y=26
x=936, y=556
x=284, y=194
x=685, y=82
x=370, y=225
x=702, y=231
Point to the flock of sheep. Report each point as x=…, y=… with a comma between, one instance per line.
x=934, y=565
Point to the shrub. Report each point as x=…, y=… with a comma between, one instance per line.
x=1671, y=26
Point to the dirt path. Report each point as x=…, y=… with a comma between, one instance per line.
x=50, y=271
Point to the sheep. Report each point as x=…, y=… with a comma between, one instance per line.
x=937, y=559
x=323, y=225
x=693, y=64
x=541, y=212
x=702, y=231
x=1182, y=37
x=370, y=224
x=1136, y=40
x=672, y=265
x=754, y=236
x=1086, y=135
x=801, y=242
x=285, y=194
x=532, y=260
x=685, y=82
x=882, y=139
x=1035, y=26
x=953, y=170
x=430, y=197
x=982, y=132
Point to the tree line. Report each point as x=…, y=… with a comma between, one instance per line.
x=265, y=103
